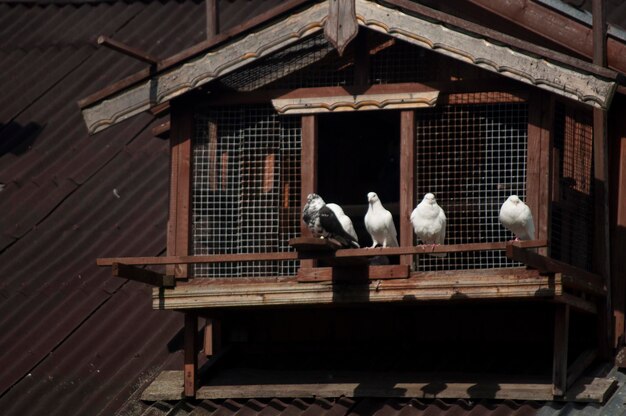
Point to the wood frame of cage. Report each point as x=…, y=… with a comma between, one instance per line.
x=539, y=183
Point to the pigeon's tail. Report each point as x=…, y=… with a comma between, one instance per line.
x=346, y=240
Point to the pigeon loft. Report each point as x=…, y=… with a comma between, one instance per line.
x=262, y=127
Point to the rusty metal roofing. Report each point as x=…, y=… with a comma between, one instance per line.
x=74, y=339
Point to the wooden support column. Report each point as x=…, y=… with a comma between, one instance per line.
x=538, y=181
x=190, y=370
x=308, y=173
x=212, y=337
x=559, y=364
x=180, y=187
x=212, y=25
x=618, y=233
x=407, y=181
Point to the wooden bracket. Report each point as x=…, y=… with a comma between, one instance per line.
x=126, y=49
x=142, y=275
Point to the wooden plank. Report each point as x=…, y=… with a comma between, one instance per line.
x=533, y=159
x=358, y=102
x=577, y=368
x=162, y=130
x=212, y=20
x=577, y=303
x=362, y=58
x=465, y=286
x=559, y=360
x=191, y=354
x=324, y=274
x=127, y=49
x=563, y=80
x=308, y=170
x=545, y=173
x=591, y=389
x=601, y=259
x=341, y=25
x=179, y=225
x=589, y=281
x=407, y=181
x=168, y=385
x=348, y=252
x=212, y=336
x=142, y=275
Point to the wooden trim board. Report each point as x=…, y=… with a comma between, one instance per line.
x=169, y=385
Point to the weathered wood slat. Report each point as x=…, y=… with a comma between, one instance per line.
x=417, y=288
x=578, y=278
x=322, y=274
x=169, y=384
x=142, y=275
x=353, y=252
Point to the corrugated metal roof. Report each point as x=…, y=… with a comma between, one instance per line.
x=74, y=339
x=344, y=406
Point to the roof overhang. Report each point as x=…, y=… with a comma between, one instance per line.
x=476, y=49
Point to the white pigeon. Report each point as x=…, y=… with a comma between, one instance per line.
x=345, y=221
x=429, y=222
x=323, y=222
x=379, y=223
x=517, y=218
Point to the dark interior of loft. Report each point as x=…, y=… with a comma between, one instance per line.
x=359, y=152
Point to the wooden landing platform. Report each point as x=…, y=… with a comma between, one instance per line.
x=509, y=283
x=239, y=384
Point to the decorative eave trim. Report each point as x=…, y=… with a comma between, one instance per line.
x=355, y=102
x=558, y=79
x=455, y=43
x=203, y=69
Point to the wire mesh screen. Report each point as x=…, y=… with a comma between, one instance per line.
x=246, y=188
x=571, y=236
x=310, y=63
x=472, y=157
x=398, y=61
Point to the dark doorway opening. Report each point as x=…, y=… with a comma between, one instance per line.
x=359, y=152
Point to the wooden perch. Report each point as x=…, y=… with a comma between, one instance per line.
x=142, y=275
x=576, y=277
x=323, y=253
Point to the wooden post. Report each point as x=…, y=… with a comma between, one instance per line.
x=361, y=60
x=538, y=181
x=601, y=255
x=618, y=237
x=178, y=236
x=212, y=336
x=407, y=180
x=212, y=22
x=191, y=354
x=308, y=170
x=559, y=364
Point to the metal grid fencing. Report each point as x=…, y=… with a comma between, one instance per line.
x=310, y=63
x=246, y=188
x=401, y=62
x=571, y=238
x=472, y=157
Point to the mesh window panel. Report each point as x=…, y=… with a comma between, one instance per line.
x=246, y=188
x=310, y=63
x=472, y=157
x=402, y=62
x=571, y=238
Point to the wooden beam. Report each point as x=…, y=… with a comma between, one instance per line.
x=578, y=367
x=559, y=363
x=407, y=181
x=191, y=354
x=127, y=50
x=308, y=169
x=355, y=252
x=556, y=27
x=212, y=19
x=515, y=283
x=592, y=281
x=142, y=275
x=326, y=274
x=179, y=222
x=212, y=336
x=162, y=130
